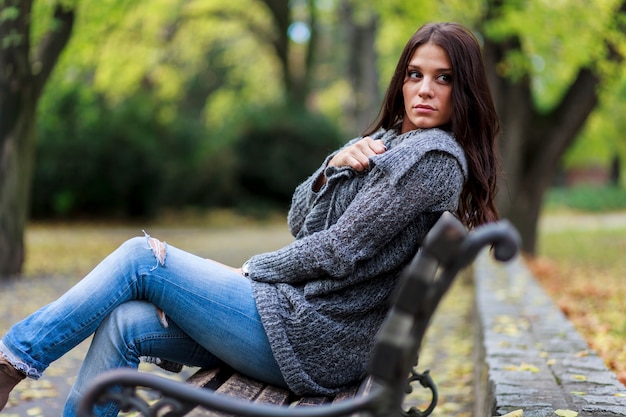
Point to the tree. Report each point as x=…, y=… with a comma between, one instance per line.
x=535, y=138
x=23, y=75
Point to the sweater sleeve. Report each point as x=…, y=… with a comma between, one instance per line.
x=303, y=199
x=304, y=196
x=374, y=217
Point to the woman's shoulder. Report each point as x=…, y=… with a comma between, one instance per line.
x=430, y=138
x=414, y=145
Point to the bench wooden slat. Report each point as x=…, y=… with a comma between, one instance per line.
x=273, y=395
x=346, y=394
x=204, y=377
x=311, y=401
x=241, y=386
x=233, y=384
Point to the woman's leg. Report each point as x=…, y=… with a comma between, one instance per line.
x=131, y=331
x=210, y=303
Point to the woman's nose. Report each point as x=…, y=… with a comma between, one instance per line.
x=425, y=89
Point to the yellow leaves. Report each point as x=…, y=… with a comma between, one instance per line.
x=576, y=377
x=522, y=367
x=566, y=413
x=447, y=347
x=35, y=411
x=509, y=325
x=585, y=278
x=545, y=355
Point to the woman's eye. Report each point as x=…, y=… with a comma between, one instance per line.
x=445, y=78
x=414, y=74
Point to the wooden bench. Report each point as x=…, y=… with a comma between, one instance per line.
x=446, y=250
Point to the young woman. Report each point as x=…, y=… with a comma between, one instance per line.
x=304, y=316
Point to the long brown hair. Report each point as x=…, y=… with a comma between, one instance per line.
x=474, y=121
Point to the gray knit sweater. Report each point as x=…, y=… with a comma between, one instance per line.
x=323, y=297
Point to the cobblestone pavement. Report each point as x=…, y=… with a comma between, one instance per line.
x=446, y=351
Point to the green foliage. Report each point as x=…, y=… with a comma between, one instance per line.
x=587, y=198
x=125, y=160
x=122, y=160
x=167, y=81
x=603, y=136
x=9, y=13
x=279, y=147
x=557, y=39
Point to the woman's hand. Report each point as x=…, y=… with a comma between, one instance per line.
x=355, y=156
x=358, y=154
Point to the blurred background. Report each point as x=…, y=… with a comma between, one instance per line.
x=124, y=109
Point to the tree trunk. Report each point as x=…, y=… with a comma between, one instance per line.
x=362, y=72
x=16, y=158
x=532, y=144
x=615, y=171
x=21, y=83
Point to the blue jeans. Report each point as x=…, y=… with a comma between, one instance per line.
x=211, y=318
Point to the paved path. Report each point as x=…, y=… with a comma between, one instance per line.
x=447, y=349
x=557, y=222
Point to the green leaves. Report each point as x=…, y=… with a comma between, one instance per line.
x=9, y=13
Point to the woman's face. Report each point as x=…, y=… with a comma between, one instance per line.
x=427, y=89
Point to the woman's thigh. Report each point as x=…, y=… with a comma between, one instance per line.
x=215, y=306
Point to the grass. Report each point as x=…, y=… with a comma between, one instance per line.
x=587, y=198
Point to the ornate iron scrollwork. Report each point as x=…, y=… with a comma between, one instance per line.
x=425, y=381
x=129, y=400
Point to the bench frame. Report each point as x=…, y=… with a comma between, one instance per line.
x=447, y=249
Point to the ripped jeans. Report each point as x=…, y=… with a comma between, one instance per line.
x=211, y=317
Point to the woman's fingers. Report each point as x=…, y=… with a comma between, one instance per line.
x=357, y=155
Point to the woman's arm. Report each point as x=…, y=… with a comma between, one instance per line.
x=374, y=217
x=355, y=154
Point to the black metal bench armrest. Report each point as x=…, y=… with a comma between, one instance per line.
x=446, y=250
x=177, y=396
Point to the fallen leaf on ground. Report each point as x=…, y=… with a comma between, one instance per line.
x=35, y=411
x=521, y=367
x=516, y=413
x=566, y=413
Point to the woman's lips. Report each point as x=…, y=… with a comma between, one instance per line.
x=424, y=108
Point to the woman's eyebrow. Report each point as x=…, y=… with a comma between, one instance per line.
x=418, y=67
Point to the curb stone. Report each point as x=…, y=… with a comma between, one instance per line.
x=529, y=355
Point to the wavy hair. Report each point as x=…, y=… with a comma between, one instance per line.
x=474, y=123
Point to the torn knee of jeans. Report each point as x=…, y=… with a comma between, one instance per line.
x=162, y=318
x=159, y=249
